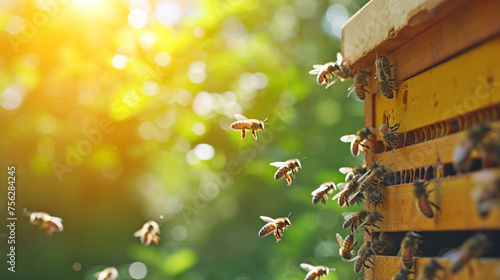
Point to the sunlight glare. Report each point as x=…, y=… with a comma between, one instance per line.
x=138, y=18
x=168, y=13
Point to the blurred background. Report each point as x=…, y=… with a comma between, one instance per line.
x=117, y=112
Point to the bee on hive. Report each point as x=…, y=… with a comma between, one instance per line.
x=148, y=233
x=473, y=247
x=48, y=223
x=109, y=273
x=359, y=84
x=384, y=245
x=323, y=190
x=243, y=123
x=277, y=226
x=422, y=198
x=357, y=140
x=364, y=254
x=402, y=274
x=349, y=192
x=486, y=193
x=285, y=167
x=409, y=248
x=314, y=272
x=383, y=75
x=389, y=134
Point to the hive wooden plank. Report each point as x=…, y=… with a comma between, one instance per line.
x=381, y=26
x=478, y=269
x=467, y=82
x=452, y=195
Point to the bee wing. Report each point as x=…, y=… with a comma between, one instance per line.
x=354, y=258
x=307, y=266
x=351, y=89
x=267, y=219
x=345, y=170
x=319, y=189
x=340, y=58
x=277, y=163
x=340, y=241
x=327, y=186
x=462, y=150
x=138, y=233
x=240, y=117
x=348, y=138
x=350, y=215
x=57, y=222
x=317, y=68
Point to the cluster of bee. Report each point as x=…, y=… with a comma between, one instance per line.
x=50, y=224
x=332, y=72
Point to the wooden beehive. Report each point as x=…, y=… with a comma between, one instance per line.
x=447, y=65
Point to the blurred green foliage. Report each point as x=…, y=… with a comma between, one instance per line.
x=106, y=107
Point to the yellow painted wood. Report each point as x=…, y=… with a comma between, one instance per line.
x=452, y=195
x=467, y=82
x=478, y=269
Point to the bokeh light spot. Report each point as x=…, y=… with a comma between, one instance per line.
x=163, y=59
x=138, y=18
x=111, y=170
x=148, y=130
x=77, y=266
x=119, y=61
x=174, y=204
x=199, y=32
x=168, y=13
x=12, y=97
x=204, y=151
x=138, y=270
x=335, y=17
x=203, y=103
x=46, y=125
x=151, y=88
x=179, y=232
x=184, y=97
x=199, y=128
x=14, y=25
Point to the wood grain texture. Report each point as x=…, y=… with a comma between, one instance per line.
x=479, y=269
x=452, y=195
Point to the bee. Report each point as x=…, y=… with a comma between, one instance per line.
x=351, y=172
x=486, y=194
x=377, y=175
x=275, y=225
x=324, y=189
x=349, y=192
x=422, y=198
x=315, y=271
x=384, y=244
x=353, y=219
x=374, y=197
x=402, y=274
x=346, y=247
x=389, y=134
x=148, y=233
x=409, y=247
x=242, y=123
x=285, y=167
x=364, y=254
x=473, y=247
x=430, y=271
x=338, y=69
x=358, y=139
x=383, y=75
x=462, y=160
x=48, y=223
x=370, y=219
x=109, y=273
x=359, y=84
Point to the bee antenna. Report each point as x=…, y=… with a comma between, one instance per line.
x=265, y=120
x=291, y=216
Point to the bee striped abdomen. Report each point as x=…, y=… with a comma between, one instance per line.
x=407, y=258
x=280, y=173
x=359, y=265
x=267, y=229
x=425, y=207
x=240, y=125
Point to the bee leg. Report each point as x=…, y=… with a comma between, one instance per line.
x=254, y=134
x=242, y=134
x=323, y=201
x=433, y=204
x=288, y=179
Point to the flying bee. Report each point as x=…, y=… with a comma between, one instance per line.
x=462, y=160
x=338, y=69
x=315, y=271
x=486, y=194
x=473, y=247
x=275, y=225
x=148, y=233
x=409, y=247
x=430, y=271
x=383, y=75
x=364, y=254
x=48, y=223
x=359, y=84
x=389, y=134
x=242, y=123
x=346, y=247
x=358, y=139
x=324, y=189
x=422, y=198
x=109, y=273
x=402, y=274
x=285, y=167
